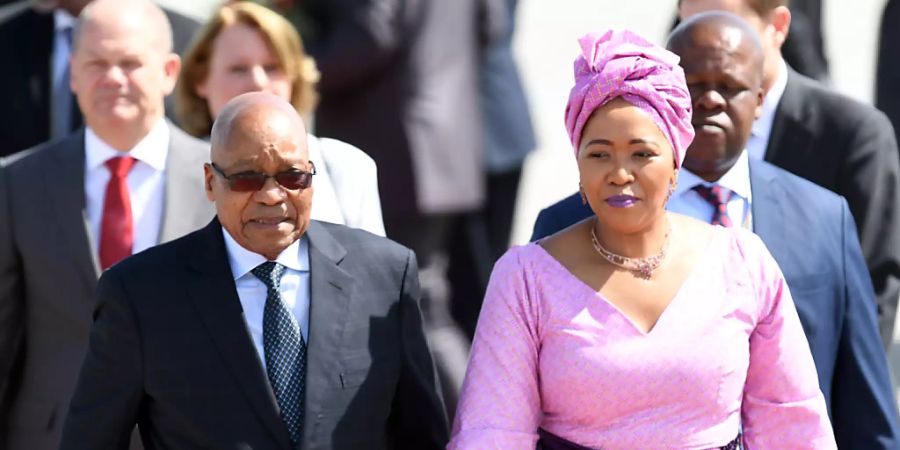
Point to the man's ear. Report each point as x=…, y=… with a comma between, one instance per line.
x=171, y=68
x=760, y=99
x=781, y=22
x=208, y=176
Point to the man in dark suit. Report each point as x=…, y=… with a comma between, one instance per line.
x=34, y=44
x=73, y=207
x=832, y=140
x=203, y=341
x=808, y=229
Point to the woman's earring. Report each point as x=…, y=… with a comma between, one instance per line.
x=581, y=191
x=672, y=186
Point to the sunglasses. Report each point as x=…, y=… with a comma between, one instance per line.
x=254, y=181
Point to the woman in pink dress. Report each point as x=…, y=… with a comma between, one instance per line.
x=638, y=328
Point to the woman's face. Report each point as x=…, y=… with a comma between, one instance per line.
x=241, y=62
x=626, y=166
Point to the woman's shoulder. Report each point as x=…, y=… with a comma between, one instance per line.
x=520, y=257
x=341, y=152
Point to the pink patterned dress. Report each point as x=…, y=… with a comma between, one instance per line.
x=728, y=353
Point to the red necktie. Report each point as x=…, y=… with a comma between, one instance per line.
x=116, y=229
x=718, y=198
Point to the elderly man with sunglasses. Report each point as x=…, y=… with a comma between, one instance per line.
x=265, y=329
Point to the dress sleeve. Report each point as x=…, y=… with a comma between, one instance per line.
x=500, y=405
x=783, y=406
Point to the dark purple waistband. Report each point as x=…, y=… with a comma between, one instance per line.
x=550, y=441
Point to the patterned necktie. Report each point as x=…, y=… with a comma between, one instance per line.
x=117, y=225
x=718, y=198
x=285, y=350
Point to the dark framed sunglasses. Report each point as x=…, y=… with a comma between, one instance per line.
x=254, y=181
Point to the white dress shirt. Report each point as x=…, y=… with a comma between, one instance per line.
x=762, y=126
x=146, y=184
x=687, y=201
x=252, y=292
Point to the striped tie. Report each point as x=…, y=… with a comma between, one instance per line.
x=718, y=198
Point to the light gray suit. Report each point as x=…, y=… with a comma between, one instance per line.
x=49, y=272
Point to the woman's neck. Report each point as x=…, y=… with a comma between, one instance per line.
x=638, y=244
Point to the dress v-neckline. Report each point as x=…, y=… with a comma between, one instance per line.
x=692, y=273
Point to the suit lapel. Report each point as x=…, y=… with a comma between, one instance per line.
x=768, y=214
x=213, y=291
x=330, y=296
x=789, y=138
x=183, y=190
x=64, y=184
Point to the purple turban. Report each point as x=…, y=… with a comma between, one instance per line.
x=619, y=63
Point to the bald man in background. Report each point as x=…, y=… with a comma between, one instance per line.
x=830, y=139
x=38, y=105
x=71, y=208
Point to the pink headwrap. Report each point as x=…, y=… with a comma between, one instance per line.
x=622, y=64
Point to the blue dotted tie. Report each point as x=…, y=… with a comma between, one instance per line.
x=285, y=350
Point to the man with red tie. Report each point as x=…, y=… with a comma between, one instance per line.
x=71, y=208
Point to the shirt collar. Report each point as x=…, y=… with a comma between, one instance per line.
x=736, y=180
x=153, y=150
x=62, y=20
x=242, y=261
x=762, y=126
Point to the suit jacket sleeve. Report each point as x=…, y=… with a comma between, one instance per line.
x=545, y=224
x=872, y=187
x=365, y=36
x=12, y=300
x=107, y=398
x=418, y=417
x=863, y=411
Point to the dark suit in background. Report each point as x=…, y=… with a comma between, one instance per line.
x=849, y=148
x=26, y=49
x=481, y=237
x=812, y=237
x=804, y=47
x=49, y=270
x=170, y=350
x=400, y=81
x=887, y=75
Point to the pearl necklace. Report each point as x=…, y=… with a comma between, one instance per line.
x=639, y=267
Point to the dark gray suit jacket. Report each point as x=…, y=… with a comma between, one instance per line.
x=170, y=351
x=400, y=81
x=49, y=270
x=26, y=49
x=849, y=148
